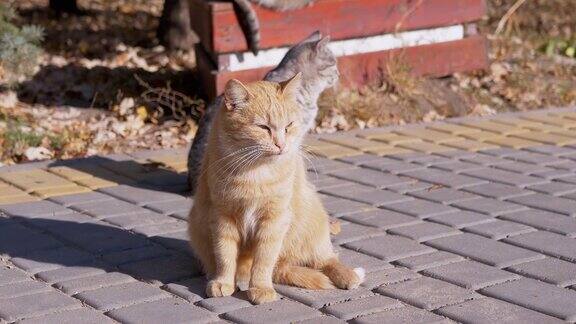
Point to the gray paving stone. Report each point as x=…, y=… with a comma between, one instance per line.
x=535, y=158
x=545, y=220
x=427, y=293
x=389, y=247
x=356, y=259
x=553, y=174
x=470, y=274
x=73, y=272
x=368, y=305
x=35, y=209
x=164, y=269
x=192, y=290
x=226, y=304
x=430, y=260
x=497, y=190
x=82, y=315
x=489, y=206
x=113, y=297
x=455, y=154
x=353, y=232
x=458, y=166
x=444, y=178
x=321, y=181
x=443, y=195
x=280, y=311
x=365, y=158
x=554, y=188
x=420, y=208
x=169, y=310
x=406, y=314
x=140, y=219
x=485, y=250
x=175, y=240
x=489, y=310
x=322, y=298
x=546, y=202
x=410, y=187
x=9, y=275
x=81, y=198
x=58, y=220
x=96, y=281
x=35, y=305
x=505, y=177
x=388, y=276
x=548, y=243
x=499, y=229
x=500, y=152
x=523, y=168
x=51, y=259
x=486, y=160
x=157, y=229
x=11, y=241
x=109, y=209
x=552, y=270
x=566, y=165
x=371, y=177
x=117, y=240
x=383, y=219
x=323, y=165
x=23, y=288
x=139, y=196
x=538, y=296
x=345, y=207
x=368, y=196
x=172, y=206
x=461, y=219
x=424, y=231
x=392, y=167
x=550, y=150
x=137, y=254
x=322, y=320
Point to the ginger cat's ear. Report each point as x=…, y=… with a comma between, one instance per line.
x=292, y=85
x=236, y=96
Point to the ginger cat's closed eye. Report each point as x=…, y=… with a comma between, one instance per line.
x=256, y=219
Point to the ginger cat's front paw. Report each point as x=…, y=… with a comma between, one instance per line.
x=217, y=288
x=262, y=295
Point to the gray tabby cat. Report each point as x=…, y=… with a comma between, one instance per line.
x=317, y=63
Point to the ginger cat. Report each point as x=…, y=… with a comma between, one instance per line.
x=255, y=216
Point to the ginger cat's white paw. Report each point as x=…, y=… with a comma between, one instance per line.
x=262, y=295
x=216, y=288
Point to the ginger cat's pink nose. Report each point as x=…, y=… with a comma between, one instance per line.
x=280, y=146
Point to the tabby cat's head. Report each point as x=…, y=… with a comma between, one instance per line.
x=314, y=59
x=263, y=117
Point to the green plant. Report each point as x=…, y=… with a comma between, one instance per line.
x=561, y=47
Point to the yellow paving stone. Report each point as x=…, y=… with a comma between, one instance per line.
x=17, y=199
x=547, y=138
x=551, y=120
x=482, y=136
x=389, y=150
x=515, y=121
x=27, y=176
x=513, y=142
x=426, y=147
x=10, y=191
x=3, y=184
x=453, y=129
x=429, y=135
x=544, y=128
x=565, y=132
x=564, y=114
x=311, y=141
x=391, y=138
x=52, y=192
x=168, y=159
x=70, y=173
x=96, y=183
x=494, y=127
x=470, y=145
x=333, y=152
x=354, y=142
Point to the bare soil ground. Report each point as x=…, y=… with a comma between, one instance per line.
x=105, y=86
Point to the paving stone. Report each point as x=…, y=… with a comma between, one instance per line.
x=566, y=165
x=23, y=288
x=388, y=276
x=82, y=315
x=363, y=158
x=550, y=150
x=498, y=229
x=544, y=220
x=512, y=142
x=140, y=219
x=35, y=305
x=58, y=220
x=322, y=165
x=370, y=177
x=470, y=274
x=169, y=310
x=426, y=159
x=547, y=138
x=392, y=167
x=369, y=305
x=461, y=219
x=96, y=281
x=410, y=187
x=486, y=160
x=11, y=241
x=35, y=209
x=497, y=190
x=425, y=147
x=443, y=195
x=420, y=208
x=322, y=298
x=406, y=314
x=51, y=259
x=427, y=293
x=485, y=250
x=221, y=305
x=355, y=259
x=11, y=275
x=427, y=135
x=157, y=229
x=538, y=296
x=371, y=196
x=454, y=129
x=383, y=219
x=389, y=247
x=493, y=127
x=116, y=240
x=322, y=320
x=534, y=158
x=280, y=311
x=552, y=270
x=471, y=145
x=113, y=297
x=73, y=272
x=387, y=136
x=164, y=269
x=489, y=310
x=430, y=260
x=171, y=207
x=109, y=209
x=138, y=254
x=424, y=231
x=523, y=168
x=489, y=206
x=177, y=241
x=353, y=232
x=546, y=202
x=554, y=188
x=192, y=290
x=139, y=196
x=444, y=178
x=505, y=177
x=548, y=243
x=553, y=174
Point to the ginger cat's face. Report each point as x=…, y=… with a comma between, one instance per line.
x=264, y=116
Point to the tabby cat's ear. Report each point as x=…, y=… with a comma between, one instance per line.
x=314, y=37
x=236, y=96
x=322, y=43
x=292, y=85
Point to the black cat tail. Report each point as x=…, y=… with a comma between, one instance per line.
x=249, y=23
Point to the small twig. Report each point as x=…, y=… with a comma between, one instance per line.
x=407, y=14
x=507, y=15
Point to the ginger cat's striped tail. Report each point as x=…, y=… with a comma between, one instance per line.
x=302, y=277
